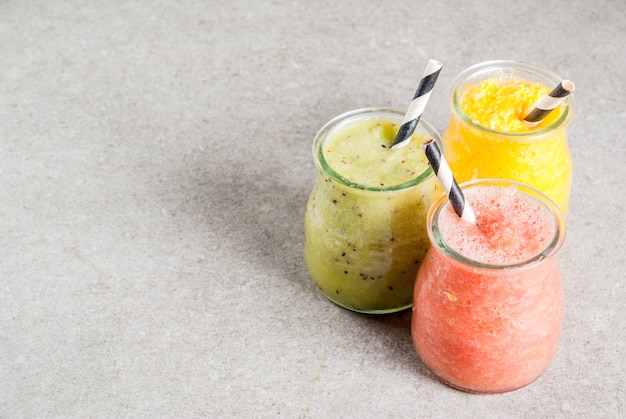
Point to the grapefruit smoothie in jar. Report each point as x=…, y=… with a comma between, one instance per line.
x=489, y=296
x=365, y=222
x=487, y=137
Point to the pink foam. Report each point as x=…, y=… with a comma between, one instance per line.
x=512, y=227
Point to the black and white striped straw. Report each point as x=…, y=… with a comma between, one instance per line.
x=546, y=105
x=417, y=105
x=450, y=186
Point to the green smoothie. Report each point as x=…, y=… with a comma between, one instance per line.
x=365, y=223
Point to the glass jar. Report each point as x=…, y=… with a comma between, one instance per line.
x=539, y=157
x=490, y=322
x=364, y=238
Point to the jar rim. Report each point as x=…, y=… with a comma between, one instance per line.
x=347, y=117
x=484, y=69
x=551, y=249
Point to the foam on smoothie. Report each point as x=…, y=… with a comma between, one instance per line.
x=501, y=103
x=361, y=152
x=512, y=227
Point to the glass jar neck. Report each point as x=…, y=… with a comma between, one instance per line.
x=554, y=242
x=513, y=70
x=387, y=113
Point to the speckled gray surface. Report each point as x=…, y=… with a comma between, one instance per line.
x=154, y=168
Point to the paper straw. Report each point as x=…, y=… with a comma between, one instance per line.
x=450, y=186
x=549, y=103
x=417, y=105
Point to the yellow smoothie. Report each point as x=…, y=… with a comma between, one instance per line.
x=365, y=223
x=487, y=137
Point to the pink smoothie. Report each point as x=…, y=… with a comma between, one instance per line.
x=488, y=300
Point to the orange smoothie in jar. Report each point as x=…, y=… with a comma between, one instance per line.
x=488, y=302
x=487, y=137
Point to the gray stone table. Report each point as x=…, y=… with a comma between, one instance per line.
x=154, y=168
